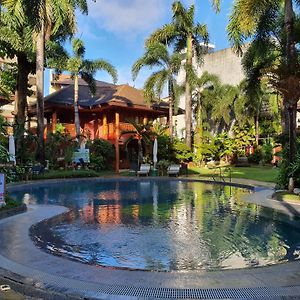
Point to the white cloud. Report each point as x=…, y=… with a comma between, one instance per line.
x=128, y=16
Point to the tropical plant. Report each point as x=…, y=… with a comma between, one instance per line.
x=102, y=154
x=273, y=52
x=45, y=18
x=183, y=153
x=16, y=43
x=186, y=35
x=157, y=55
x=86, y=69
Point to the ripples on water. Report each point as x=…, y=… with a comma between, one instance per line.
x=163, y=225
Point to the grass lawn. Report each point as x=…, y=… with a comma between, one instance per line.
x=286, y=196
x=260, y=173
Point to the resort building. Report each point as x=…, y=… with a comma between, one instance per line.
x=105, y=115
x=223, y=63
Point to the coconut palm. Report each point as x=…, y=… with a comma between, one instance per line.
x=46, y=18
x=272, y=53
x=157, y=55
x=86, y=69
x=186, y=35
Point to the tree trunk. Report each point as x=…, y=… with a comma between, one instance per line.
x=256, y=128
x=171, y=98
x=40, y=93
x=284, y=119
x=290, y=36
x=292, y=109
x=76, y=113
x=188, y=100
x=21, y=97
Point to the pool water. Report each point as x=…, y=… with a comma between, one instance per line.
x=163, y=225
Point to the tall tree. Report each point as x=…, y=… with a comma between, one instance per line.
x=86, y=69
x=189, y=36
x=272, y=52
x=46, y=17
x=157, y=55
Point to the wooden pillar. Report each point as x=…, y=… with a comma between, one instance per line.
x=54, y=121
x=117, y=135
x=105, y=127
x=145, y=121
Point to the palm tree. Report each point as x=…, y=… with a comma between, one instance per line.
x=199, y=86
x=272, y=52
x=16, y=42
x=86, y=69
x=186, y=35
x=157, y=55
x=46, y=17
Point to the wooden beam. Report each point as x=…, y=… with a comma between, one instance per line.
x=54, y=121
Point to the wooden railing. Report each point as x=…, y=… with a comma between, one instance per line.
x=108, y=133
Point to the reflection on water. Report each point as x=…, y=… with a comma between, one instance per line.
x=163, y=225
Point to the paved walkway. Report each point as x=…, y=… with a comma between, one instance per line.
x=20, y=258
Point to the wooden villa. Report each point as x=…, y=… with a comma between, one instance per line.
x=104, y=115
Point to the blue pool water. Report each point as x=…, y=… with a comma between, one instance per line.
x=162, y=225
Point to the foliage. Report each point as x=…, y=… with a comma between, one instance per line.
x=10, y=202
x=70, y=174
x=59, y=145
x=102, y=154
x=256, y=156
x=287, y=170
x=165, y=149
x=267, y=150
x=162, y=166
x=243, y=137
x=182, y=151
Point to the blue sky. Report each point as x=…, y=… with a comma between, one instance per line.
x=115, y=30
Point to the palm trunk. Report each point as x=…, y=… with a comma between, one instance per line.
x=188, y=100
x=199, y=131
x=40, y=93
x=292, y=67
x=21, y=97
x=171, y=98
x=292, y=110
x=284, y=119
x=256, y=128
x=290, y=36
x=76, y=113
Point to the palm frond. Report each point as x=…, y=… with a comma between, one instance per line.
x=166, y=34
x=78, y=47
x=156, y=55
x=91, y=66
x=154, y=85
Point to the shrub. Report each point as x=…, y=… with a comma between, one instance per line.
x=182, y=152
x=165, y=149
x=59, y=145
x=163, y=165
x=102, y=153
x=256, y=156
x=267, y=152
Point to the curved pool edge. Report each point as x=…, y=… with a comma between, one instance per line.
x=55, y=274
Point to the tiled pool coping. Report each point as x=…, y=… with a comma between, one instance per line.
x=18, y=255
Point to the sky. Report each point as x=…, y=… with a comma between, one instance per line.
x=116, y=30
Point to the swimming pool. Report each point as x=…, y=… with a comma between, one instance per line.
x=164, y=225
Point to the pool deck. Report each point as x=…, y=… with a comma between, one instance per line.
x=46, y=276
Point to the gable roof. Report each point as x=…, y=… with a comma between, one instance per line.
x=116, y=95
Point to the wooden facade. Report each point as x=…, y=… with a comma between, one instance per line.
x=104, y=115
